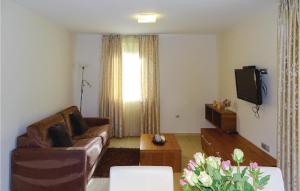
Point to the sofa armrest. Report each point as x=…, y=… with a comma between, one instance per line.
x=96, y=121
x=50, y=168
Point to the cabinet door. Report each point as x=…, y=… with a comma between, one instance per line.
x=207, y=145
x=216, y=118
x=228, y=123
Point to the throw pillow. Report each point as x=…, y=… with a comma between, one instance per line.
x=78, y=124
x=59, y=136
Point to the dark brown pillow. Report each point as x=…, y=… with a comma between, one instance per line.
x=59, y=136
x=78, y=124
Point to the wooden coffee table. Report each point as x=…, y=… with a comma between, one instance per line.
x=167, y=155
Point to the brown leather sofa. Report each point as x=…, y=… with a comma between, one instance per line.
x=37, y=166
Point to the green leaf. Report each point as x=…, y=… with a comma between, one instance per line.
x=237, y=177
x=248, y=187
x=197, y=171
x=245, y=178
x=231, y=188
x=202, y=188
x=216, y=175
x=264, y=180
x=244, y=171
x=240, y=186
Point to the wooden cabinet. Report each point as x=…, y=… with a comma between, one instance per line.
x=223, y=119
x=217, y=143
x=222, y=140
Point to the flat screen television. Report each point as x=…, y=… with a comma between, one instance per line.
x=248, y=85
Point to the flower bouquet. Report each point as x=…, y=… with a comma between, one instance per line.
x=226, y=103
x=210, y=174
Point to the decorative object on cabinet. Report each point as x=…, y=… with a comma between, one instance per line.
x=220, y=118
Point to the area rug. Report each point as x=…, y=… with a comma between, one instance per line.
x=117, y=157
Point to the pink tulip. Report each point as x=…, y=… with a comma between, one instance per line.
x=193, y=163
x=191, y=167
x=226, y=165
x=182, y=182
x=253, y=165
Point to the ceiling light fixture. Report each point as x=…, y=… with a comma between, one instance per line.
x=146, y=18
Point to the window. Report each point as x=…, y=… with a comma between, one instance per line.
x=131, y=70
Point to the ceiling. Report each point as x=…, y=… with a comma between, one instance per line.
x=176, y=16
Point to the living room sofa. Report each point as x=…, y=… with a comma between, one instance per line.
x=38, y=166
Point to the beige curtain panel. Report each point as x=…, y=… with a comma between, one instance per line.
x=288, y=93
x=150, y=114
x=111, y=102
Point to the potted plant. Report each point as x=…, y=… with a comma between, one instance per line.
x=213, y=174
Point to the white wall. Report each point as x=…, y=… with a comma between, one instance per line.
x=36, y=75
x=187, y=64
x=252, y=42
x=188, y=80
x=87, y=52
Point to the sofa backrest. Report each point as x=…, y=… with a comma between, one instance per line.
x=38, y=132
x=66, y=115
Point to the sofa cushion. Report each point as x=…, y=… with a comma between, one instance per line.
x=38, y=132
x=66, y=115
x=93, y=147
x=59, y=136
x=102, y=131
x=78, y=124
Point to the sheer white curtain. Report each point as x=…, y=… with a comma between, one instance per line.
x=131, y=85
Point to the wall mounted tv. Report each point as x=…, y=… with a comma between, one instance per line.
x=249, y=85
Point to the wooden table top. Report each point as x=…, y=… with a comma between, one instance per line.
x=225, y=144
x=147, y=145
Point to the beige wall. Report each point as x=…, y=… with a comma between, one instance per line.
x=36, y=75
x=252, y=42
x=188, y=80
x=187, y=64
x=87, y=52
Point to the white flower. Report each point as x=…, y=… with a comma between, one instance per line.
x=214, y=162
x=238, y=155
x=190, y=177
x=199, y=158
x=205, y=179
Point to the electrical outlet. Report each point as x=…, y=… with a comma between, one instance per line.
x=265, y=147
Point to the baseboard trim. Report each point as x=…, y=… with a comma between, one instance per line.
x=177, y=134
x=184, y=134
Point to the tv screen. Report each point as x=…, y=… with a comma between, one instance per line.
x=248, y=85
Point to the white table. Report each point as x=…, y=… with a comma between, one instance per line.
x=137, y=178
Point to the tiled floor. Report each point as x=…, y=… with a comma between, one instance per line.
x=189, y=145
